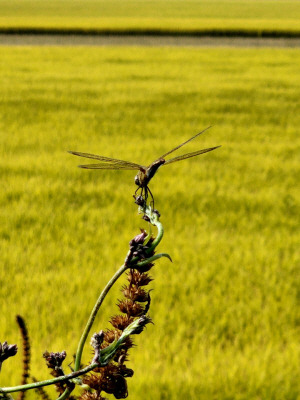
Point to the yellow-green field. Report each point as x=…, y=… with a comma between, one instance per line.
x=226, y=311
x=156, y=15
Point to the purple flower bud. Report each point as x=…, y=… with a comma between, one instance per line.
x=6, y=351
x=138, y=239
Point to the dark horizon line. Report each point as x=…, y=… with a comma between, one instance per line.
x=247, y=33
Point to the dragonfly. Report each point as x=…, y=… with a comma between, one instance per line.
x=145, y=173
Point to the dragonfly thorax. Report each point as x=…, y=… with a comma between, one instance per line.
x=144, y=176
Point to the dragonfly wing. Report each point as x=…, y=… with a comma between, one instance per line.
x=189, y=155
x=109, y=166
x=182, y=144
x=113, y=161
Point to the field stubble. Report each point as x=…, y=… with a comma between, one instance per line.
x=226, y=311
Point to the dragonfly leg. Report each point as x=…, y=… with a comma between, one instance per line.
x=144, y=193
x=152, y=201
x=136, y=191
x=142, y=198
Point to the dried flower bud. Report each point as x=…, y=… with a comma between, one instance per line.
x=139, y=250
x=114, y=383
x=139, y=200
x=135, y=293
x=157, y=213
x=121, y=321
x=54, y=360
x=138, y=278
x=136, y=246
x=138, y=239
x=146, y=218
x=131, y=308
x=92, y=396
x=110, y=379
x=110, y=336
x=128, y=343
x=120, y=387
x=126, y=372
x=97, y=340
x=6, y=351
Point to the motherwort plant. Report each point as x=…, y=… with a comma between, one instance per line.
x=107, y=371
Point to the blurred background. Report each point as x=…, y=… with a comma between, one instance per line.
x=226, y=311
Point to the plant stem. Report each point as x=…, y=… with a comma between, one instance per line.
x=159, y=236
x=151, y=259
x=48, y=382
x=65, y=395
x=94, y=313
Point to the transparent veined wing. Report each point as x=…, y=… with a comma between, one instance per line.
x=189, y=155
x=110, y=166
x=110, y=161
x=182, y=144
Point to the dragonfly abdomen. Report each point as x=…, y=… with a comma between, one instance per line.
x=151, y=170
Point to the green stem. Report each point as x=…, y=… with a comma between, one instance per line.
x=151, y=259
x=48, y=382
x=65, y=395
x=94, y=313
x=158, y=238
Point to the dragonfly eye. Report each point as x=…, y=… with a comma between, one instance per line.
x=137, y=180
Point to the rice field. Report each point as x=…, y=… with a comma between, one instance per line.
x=157, y=16
x=226, y=311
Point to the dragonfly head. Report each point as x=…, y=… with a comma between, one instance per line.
x=137, y=180
x=141, y=179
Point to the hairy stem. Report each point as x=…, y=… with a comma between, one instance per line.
x=65, y=395
x=48, y=382
x=159, y=236
x=94, y=313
